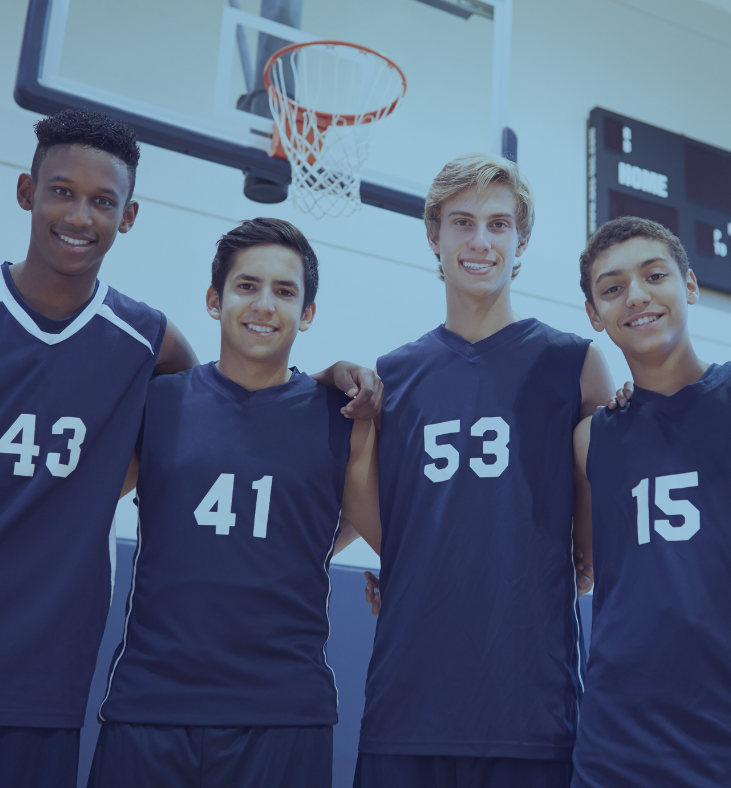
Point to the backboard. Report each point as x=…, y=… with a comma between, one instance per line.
x=187, y=75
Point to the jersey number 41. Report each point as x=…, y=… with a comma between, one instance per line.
x=221, y=496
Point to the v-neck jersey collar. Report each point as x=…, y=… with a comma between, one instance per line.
x=23, y=313
x=472, y=350
x=263, y=397
x=713, y=377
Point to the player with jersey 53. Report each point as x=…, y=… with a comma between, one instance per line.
x=244, y=464
x=480, y=684
x=75, y=360
x=657, y=709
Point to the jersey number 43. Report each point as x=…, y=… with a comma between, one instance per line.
x=497, y=447
x=26, y=449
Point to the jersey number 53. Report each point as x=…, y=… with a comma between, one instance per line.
x=496, y=447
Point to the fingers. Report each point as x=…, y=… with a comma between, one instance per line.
x=622, y=397
x=373, y=596
x=584, y=578
x=368, y=391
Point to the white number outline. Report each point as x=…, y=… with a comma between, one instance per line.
x=670, y=506
x=27, y=449
x=53, y=460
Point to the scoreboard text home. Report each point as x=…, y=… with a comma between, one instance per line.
x=635, y=169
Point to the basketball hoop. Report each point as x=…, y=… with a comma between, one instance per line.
x=326, y=147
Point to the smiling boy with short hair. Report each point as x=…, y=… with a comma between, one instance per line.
x=244, y=465
x=657, y=708
x=478, y=684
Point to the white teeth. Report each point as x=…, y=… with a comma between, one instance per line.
x=643, y=320
x=73, y=241
x=260, y=329
x=476, y=266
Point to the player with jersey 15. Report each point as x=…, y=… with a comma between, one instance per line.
x=244, y=465
x=480, y=684
x=657, y=709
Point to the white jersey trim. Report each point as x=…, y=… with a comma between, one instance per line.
x=327, y=612
x=126, y=619
x=25, y=320
x=106, y=312
x=579, y=633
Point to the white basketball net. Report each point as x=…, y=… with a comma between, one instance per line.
x=354, y=86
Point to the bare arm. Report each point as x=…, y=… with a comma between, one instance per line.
x=359, y=382
x=347, y=535
x=130, y=480
x=176, y=354
x=582, y=509
x=360, y=496
x=596, y=384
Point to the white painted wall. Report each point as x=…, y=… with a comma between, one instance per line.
x=661, y=61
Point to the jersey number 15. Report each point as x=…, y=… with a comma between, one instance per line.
x=663, y=484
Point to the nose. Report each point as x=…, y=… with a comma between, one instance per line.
x=264, y=303
x=79, y=214
x=637, y=295
x=481, y=238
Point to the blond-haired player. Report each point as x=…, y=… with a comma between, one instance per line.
x=478, y=685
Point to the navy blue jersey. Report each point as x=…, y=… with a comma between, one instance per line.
x=239, y=496
x=71, y=400
x=477, y=648
x=657, y=710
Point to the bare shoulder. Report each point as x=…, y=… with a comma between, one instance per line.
x=596, y=381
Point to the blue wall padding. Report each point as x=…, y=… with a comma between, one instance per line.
x=351, y=641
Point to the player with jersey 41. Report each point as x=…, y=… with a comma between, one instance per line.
x=244, y=465
x=654, y=476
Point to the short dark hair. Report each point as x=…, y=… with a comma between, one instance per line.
x=90, y=130
x=618, y=231
x=257, y=232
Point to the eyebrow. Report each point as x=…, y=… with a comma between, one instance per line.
x=651, y=261
x=472, y=215
x=103, y=190
x=259, y=280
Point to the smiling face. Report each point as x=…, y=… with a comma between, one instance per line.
x=478, y=240
x=78, y=204
x=261, y=305
x=641, y=297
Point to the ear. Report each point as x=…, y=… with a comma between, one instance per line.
x=522, y=246
x=128, y=216
x=434, y=245
x=307, y=317
x=25, y=191
x=691, y=284
x=596, y=321
x=213, y=303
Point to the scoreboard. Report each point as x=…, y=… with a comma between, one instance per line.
x=635, y=169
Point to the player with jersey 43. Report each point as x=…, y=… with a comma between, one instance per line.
x=244, y=465
x=480, y=684
x=656, y=473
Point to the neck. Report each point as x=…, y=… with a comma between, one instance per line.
x=478, y=318
x=667, y=373
x=252, y=374
x=53, y=294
